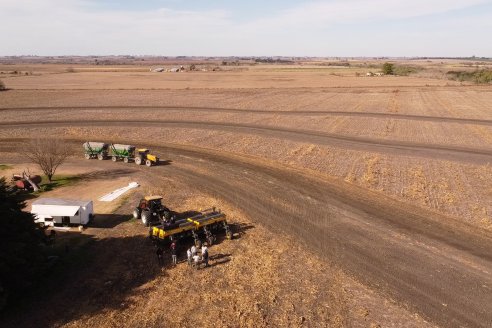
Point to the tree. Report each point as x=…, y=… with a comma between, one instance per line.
x=48, y=154
x=388, y=68
x=21, y=256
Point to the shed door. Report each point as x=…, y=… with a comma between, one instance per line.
x=65, y=220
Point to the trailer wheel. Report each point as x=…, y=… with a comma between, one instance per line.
x=125, y=159
x=138, y=160
x=146, y=217
x=136, y=214
x=114, y=158
x=88, y=156
x=148, y=163
x=100, y=157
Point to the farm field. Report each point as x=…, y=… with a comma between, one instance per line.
x=375, y=192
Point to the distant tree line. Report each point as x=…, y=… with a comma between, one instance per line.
x=273, y=61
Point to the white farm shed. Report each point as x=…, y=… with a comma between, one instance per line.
x=51, y=211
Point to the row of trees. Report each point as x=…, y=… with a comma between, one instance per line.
x=22, y=258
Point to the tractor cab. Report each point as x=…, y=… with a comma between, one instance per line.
x=154, y=203
x=143, y=151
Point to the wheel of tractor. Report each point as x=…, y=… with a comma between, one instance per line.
x=138, y=160
x=145, y=217
x=125, y=159
x=136, y=214
x=148, y=163
x=88, y=156
x=114, y=158
x=100, y=157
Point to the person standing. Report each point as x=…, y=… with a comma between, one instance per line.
x=193, y=250
x=159, y=253
x=173, y=253
x=196, y=261
x=189, y=256
x=205, y=255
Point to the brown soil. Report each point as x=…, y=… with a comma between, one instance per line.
x=379, y=189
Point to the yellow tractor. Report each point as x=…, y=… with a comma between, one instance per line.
x=143, y=156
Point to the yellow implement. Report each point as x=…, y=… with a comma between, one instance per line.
x=204, y=223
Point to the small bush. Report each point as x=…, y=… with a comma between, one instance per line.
x=388, y=68
x=70, y=70
x=2, y=86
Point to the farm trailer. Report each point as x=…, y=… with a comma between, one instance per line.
x=97, y=150
x=117, y=152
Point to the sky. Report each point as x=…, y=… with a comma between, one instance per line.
x=324, y=28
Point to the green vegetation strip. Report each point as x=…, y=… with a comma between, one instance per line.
x=479, y=77
x=59, y=181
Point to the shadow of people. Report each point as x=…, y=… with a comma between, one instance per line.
x=218, y=259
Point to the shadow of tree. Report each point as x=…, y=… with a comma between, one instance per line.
x=106, y=174
x=92, y=276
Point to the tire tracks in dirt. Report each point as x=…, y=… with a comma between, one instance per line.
x=392, y=147
x=429, y=263
x=424, y=118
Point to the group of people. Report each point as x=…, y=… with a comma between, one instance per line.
x=195, y=255
x=195, y=258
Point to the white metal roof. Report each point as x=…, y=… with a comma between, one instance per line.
x=61, y=202
x=54, y=210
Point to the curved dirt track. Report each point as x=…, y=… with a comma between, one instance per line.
x=453, y=153
x=442, y=271
x=422, y=118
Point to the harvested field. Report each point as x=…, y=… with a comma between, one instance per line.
x=375, y=193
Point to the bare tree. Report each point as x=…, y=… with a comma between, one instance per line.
x=48, y=154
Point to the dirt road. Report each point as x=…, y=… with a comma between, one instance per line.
x=444, y=152
x=422, y=118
